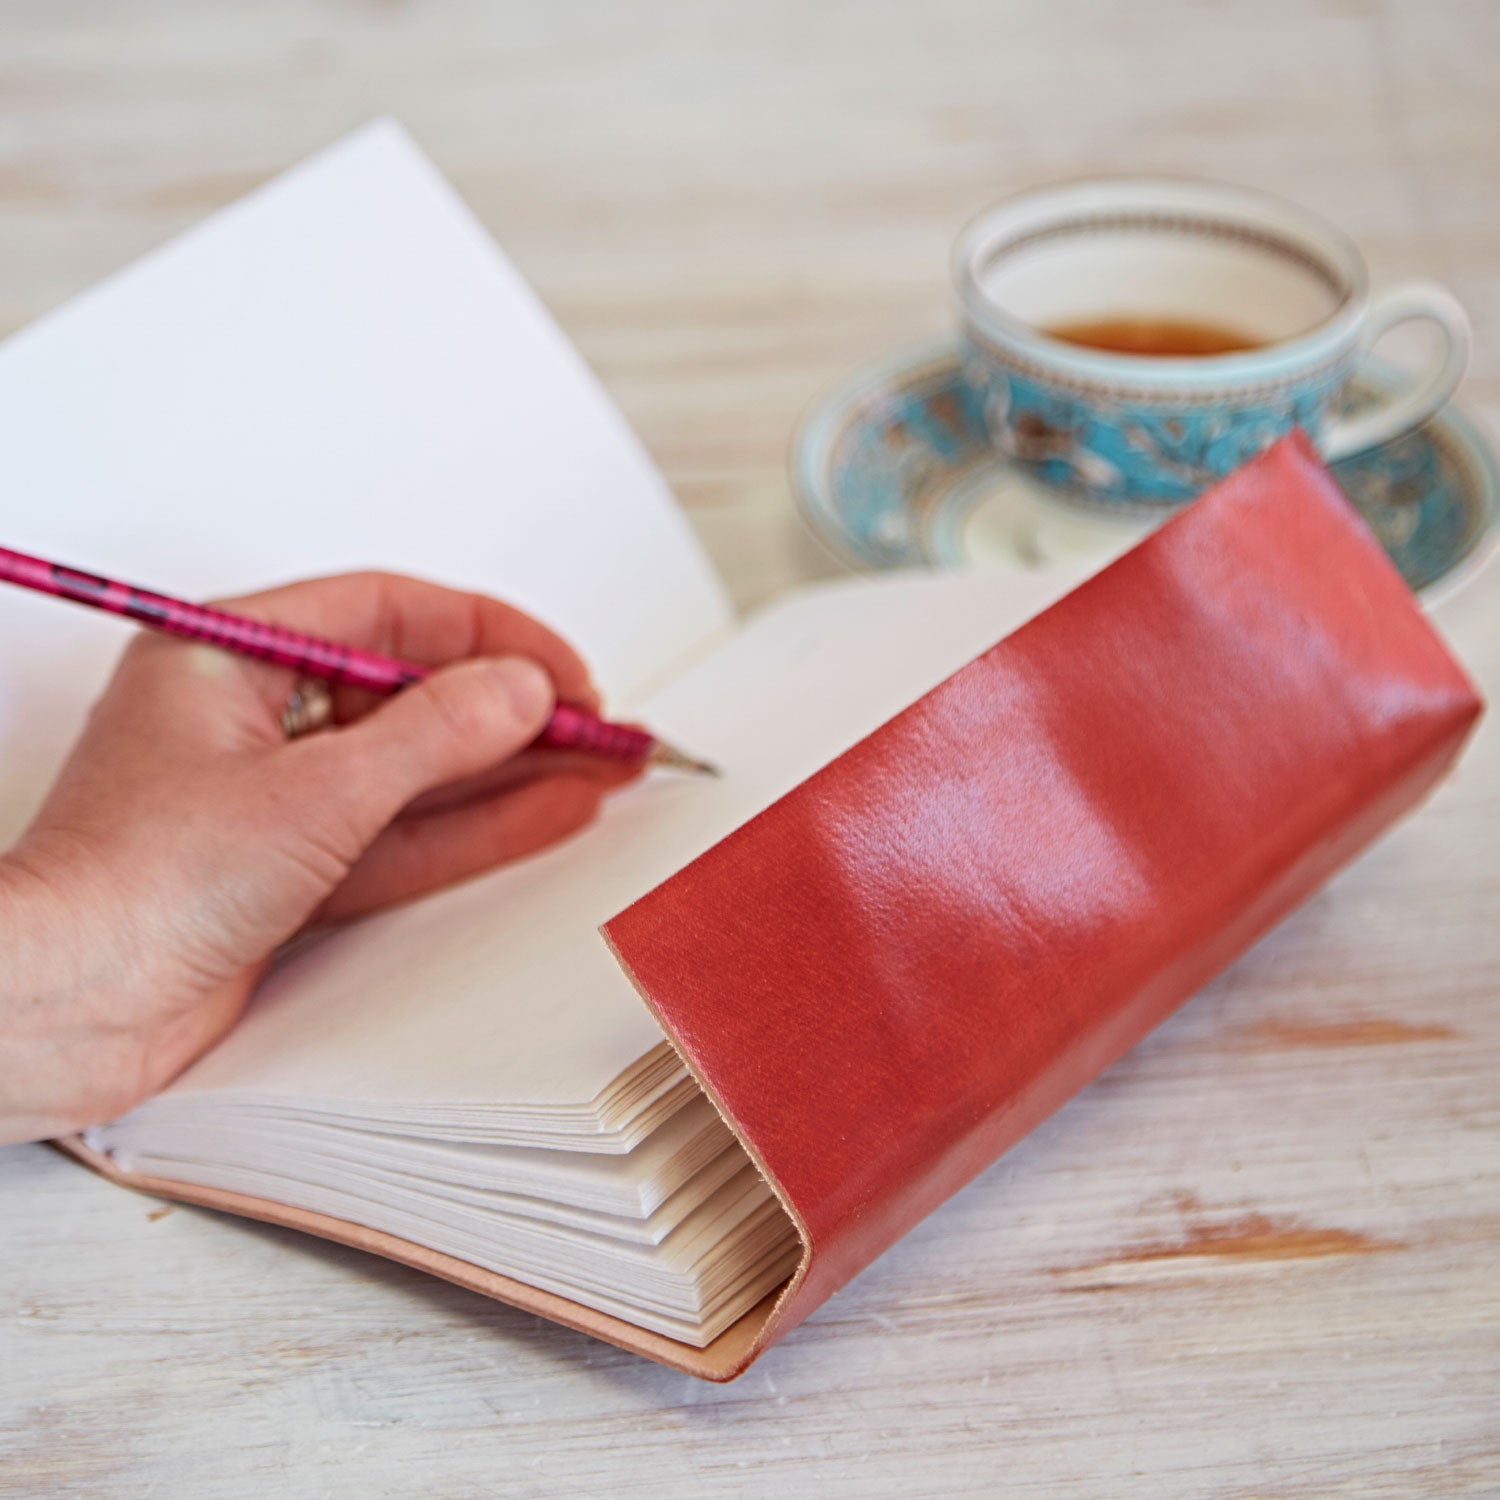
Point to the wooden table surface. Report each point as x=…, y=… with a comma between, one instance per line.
x=1259, y=1258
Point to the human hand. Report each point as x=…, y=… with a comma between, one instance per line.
x=186, y=838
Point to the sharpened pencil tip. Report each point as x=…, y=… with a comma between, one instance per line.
x=663, y=754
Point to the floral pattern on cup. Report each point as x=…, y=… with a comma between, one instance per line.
x=1115, y=450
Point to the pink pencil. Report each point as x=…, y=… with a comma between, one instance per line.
x=569, y=728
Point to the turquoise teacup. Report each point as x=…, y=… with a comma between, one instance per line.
x=1083, y=308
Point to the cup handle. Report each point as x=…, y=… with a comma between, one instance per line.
x=1406, y=303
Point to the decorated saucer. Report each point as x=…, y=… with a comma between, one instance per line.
x=892, y=470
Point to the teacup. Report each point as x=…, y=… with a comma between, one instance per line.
x=1279, y=298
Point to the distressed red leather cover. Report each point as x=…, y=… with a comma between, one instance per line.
x=901, y=967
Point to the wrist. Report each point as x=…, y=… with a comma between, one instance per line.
x=53, y=1001
x=37, y=956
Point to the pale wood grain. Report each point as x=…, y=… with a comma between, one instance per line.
x=1258, y=1258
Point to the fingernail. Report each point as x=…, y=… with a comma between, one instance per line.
x=527, y=686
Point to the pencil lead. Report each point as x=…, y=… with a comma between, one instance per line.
x=663, y=754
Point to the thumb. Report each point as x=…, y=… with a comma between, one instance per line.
x=460, y=721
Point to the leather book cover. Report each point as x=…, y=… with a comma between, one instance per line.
x=901, y=967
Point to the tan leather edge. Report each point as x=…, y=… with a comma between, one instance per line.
x=721, y=1360
x=771, y=1311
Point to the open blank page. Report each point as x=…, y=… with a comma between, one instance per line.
x=501, y=991
x=342, y=371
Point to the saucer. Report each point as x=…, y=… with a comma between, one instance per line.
x=892, y=470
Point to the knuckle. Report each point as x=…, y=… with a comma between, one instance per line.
x=370, y=577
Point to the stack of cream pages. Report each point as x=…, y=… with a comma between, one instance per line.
x=341, y=372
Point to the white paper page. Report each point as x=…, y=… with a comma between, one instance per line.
x=342, y=371
x=502, y=990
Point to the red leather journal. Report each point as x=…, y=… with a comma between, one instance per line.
x=901, y=967
x=896, y=971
